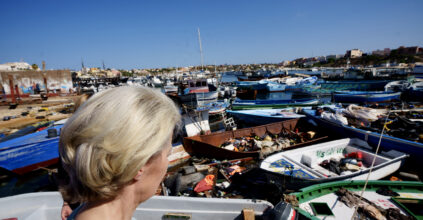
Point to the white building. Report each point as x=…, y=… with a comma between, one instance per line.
x=16, y=66
x=354, y=53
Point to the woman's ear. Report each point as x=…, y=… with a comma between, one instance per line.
x=139, y=174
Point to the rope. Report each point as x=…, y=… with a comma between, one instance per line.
x=371, y=167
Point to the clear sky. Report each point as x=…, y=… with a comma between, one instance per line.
x=147, y=34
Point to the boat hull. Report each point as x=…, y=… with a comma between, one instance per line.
x=271, y=104
x=29, y=152
x=365, y=97
x=47, y=205
x=251, y=85
x=261, y=119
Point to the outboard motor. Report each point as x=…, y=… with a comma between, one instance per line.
x=281, y=211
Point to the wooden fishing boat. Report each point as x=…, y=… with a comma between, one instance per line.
x=29, y=152
x=209, y=145
x=365, y=97
x=414, y=149
x=239, y=104
x=47, y=205
x=304, y=167
x=324, y=201
x=264, y=116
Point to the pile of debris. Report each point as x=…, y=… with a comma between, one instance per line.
x=351, y=162
x=268, y=143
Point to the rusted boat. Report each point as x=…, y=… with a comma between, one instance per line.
x=209, y=145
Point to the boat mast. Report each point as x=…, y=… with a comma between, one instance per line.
x=201, y=49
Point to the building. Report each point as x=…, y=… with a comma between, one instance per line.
x=410, y=50
x=15, y=66
x=321, y=58
x=286, y=63
x=335, y=57
x=354, y=53
x=384, y=52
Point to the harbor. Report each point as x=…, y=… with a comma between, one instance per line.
x=238, y=133
x=210, y=110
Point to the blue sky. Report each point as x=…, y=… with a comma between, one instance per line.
x=147, y=34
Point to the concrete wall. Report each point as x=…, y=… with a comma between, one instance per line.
x=57, y=81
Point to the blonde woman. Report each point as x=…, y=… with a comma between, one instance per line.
x=114, y=149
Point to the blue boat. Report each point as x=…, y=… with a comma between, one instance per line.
x=29, y=152
x=251, y=85
x=264, y=116
x=414, y=149
x=239, y=104
x=365, y=97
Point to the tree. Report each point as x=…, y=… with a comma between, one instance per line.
x=34, y=66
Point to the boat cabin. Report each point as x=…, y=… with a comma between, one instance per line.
x=196, y=86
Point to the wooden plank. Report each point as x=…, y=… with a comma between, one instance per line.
x=248, y=214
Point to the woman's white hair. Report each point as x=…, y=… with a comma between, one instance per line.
x=111, y=137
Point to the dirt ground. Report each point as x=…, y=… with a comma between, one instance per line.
x=49, y=109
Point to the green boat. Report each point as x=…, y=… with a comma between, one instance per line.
x=327, y=201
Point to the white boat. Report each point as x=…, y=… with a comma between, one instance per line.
x=265, y=116
x=195, y=100
x=290, y=81
x=157, y=82
x=196, y=122
x=47, y=205
x=303, y=166
x=395, y=86
x=170, y=89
